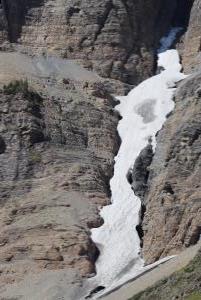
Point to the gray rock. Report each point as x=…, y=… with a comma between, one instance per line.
x=140, y=171
x=173, y=199
x=56, y=159
x=115, y=38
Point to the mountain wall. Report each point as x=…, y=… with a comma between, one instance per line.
x=173, y=206
x=115, y=38
x=173, y=199
x=192, y=43
x=56, y=155
x=58, y=139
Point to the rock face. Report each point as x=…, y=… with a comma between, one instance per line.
x=57, y=148
x=173, y=201
x=192, y=42
x=56, y=156
x=140, y=171
x=57, y=143
x=115, y=38
x=3, y=25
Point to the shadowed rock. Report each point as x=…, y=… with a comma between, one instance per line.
x=140, y=171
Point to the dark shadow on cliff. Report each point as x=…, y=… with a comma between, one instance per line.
x=182, y=13
x=16, y=13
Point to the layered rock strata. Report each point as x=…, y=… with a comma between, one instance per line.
x=115, y=38
x=56, y=155
x=173, y=200
x=57, y=149
x=192, y=40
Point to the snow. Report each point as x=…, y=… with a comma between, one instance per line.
x=143, y=112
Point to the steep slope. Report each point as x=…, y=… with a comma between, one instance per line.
x=146, y=285
x=173, y=200
x=143, y=113
x=184, y=284
x=57, y=146
x=115, y=38
x=56, y=152
x=192, y=40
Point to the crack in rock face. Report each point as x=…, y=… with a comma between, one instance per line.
x=2, y=145
x=140, y=171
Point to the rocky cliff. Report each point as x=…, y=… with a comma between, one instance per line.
x=192, y=42
x=56, y=160
x=173, y=205
x=115, y=38
x=58, y=135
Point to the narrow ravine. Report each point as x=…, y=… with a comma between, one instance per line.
x=143, y=113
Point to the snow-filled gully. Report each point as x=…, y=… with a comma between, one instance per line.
x=143, y=112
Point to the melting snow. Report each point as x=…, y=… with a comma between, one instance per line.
x=143, y=112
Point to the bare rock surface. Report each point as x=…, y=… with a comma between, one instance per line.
x=56, y=150
x=57, y=146
x=115, y=38
x=192, y=43
x=173, y=201
x=58, y=140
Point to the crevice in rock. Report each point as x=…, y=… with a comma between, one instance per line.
x=15, y=12
x=139, y=227
x=182, y=13
x=196, y=236
x=181, y=17
x=73, y=10
x=140, y=172
x=195, y=136
x=168, y=188
x=125, y=4
x=138, y=178
x=102, y=19
x=2, y=145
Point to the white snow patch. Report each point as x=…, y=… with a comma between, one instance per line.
x=117, y=238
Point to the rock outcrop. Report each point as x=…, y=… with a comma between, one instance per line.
x=57, y=145
x=56, y=156
x=3, y=25
x=115, y=38
x=192, y=40
x=140, y=172
x=173, y=201
x=58, y=141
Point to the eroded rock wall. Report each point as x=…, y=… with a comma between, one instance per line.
x=192, y=40
x=3, y=24
x=56, y=156
x=173, y=202
x=115, y=38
